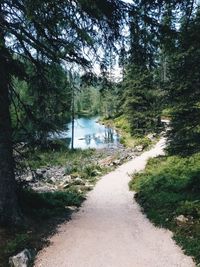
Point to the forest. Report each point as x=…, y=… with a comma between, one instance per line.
x=58, y=62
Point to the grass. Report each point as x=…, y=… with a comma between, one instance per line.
x=123, y=127
x=57, y=157
x=169, y=187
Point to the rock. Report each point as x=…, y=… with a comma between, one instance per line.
x=66, y=182
x=117, y=162
x=44, y=188
x=23, y=259
x=52, y=180
x=151, y=137
x=106, y=161
x=88, y=186
x=72, y=208
x=181, y=219
x=29, y=178
x=139, y=148
x=39, y=174
x=43, y=171
x=66, y=179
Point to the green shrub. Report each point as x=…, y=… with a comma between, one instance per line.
x=43, y=205
x=145, y=142
x=18, y=243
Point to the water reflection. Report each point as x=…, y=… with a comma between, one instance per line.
x=90, y=134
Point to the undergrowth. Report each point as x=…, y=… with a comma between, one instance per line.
x=42, y=213
x=169, y=187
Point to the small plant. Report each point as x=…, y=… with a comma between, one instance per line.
x=18, y=243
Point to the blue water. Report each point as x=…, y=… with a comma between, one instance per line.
x=88, y=133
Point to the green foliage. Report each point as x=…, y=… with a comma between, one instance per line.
x=145, y=142
x=47, y=205
x=122, y=123
x=182, y=88
x=141, y=101
x=18, y=243
x=184, y=135
x=170, y=187
x=88, y=102
x=41, y=105
x=110, y=100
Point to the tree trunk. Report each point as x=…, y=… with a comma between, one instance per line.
x=9, y=211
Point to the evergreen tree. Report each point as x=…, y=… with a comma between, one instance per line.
x=184, y=89
x=40, y=105
x=142, y=101
x=141, y=92
x=50, y=31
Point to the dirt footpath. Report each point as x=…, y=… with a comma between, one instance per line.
x=111, y=231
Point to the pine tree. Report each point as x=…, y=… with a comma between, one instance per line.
x=184, y=89
x=51, y=31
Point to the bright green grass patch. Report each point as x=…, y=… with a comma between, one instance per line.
x=122, y=125
x=60, y=157
x=170, y=186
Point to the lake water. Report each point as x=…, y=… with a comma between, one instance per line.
x=88, y=133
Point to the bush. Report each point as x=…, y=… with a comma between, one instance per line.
x=18, y=243
x=46, y=205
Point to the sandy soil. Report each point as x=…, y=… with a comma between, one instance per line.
x=111, y=231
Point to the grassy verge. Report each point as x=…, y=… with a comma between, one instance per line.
x=122, y=125
x=57, y=157
x=169, y=187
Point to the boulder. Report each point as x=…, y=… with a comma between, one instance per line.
x=22, y=259
x=139, y=148
x=29, y=178
x=117, y=162
x=181, y=219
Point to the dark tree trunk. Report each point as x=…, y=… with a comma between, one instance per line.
x=9, y=211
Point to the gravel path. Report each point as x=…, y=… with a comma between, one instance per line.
x=111, y=231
